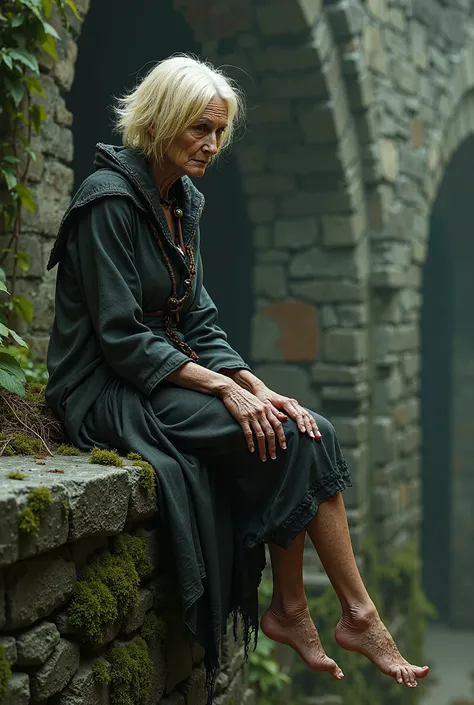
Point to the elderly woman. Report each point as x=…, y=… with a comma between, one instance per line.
x=137, y=362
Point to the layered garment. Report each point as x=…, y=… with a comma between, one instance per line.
x=109, y=359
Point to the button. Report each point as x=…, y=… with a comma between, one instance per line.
x=178, y=212
x=187, y=282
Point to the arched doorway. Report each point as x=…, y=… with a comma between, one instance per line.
x=115, y=49
x=447, y=396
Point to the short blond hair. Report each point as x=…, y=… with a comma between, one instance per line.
x=169, y=99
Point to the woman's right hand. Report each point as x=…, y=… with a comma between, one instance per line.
x=256, y=418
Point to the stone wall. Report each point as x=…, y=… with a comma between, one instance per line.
x=94, y=509
x=356, y=108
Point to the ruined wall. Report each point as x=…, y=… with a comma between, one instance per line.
x=98, y=514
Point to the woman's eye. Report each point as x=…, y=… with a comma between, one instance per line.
x=200, y=128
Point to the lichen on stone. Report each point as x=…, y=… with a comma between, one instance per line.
x=131, y=671
x=100, y=671
x=5, y=674
x=65, y=510
x=136, y=546
x=67, y=449
x=39, y=499
x=16, y=475
x=98, y=456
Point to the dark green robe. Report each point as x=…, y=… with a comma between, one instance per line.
x=108, y=362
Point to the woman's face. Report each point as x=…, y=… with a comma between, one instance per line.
x=191, y=151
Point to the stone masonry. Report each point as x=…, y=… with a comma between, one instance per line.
x=49, y=659
x=356, y=110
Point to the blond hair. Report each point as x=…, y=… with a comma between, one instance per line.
x=169, y=99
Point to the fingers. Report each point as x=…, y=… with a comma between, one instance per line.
x=261, y=439
x=248, y=436
x=278, y=428
x=270, y=437
x=311, y=426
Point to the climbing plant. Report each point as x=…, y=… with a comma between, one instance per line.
x=25, y=35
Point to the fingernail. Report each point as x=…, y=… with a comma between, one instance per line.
x=252, y=450
x=312, y=434
x=264, y=459
x=319, y=435
x=284, y=448
x=274, y=456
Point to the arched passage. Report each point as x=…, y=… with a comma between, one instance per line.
x=114, y=50
x=447, y=395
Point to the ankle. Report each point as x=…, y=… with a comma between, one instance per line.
x=361, y=614
x=288, y=607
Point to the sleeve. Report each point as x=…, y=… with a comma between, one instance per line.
x=204, y=336
x=112, y=291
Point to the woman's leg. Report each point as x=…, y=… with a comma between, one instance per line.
x=360, y=628
x=287, y=620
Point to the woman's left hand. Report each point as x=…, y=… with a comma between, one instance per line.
x=283, y=406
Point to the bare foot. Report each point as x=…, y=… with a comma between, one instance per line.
x=296, y=629
x=364, y=632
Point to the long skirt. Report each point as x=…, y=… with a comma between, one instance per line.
x=219, y=503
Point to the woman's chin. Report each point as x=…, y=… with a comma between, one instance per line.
x=195, y=169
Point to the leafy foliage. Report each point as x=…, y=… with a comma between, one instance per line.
x=25, y=35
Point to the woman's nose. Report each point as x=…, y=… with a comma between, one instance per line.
x=210, y=145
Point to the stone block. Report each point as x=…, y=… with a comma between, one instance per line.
x=91, y=510
x=289, y=380
x=298, y=329
x=159, y=673
x=262, y=237
x=194, y=688
x=324, y=373
x=348, y=393
x=265, y=337
x=8, y=528
x=136, y=616
x=375, y=54
x=56, y=672
x=36, y=645
x=83, y=550
x=319, y=263
x=353, y=316
x=342, y=230
x=251, y=157
x=345, y=346
x=295, y=233
x=268, y=184
x=179, y=659
x=273, y=256
x=2, y=600
x=346, y=18
x=325, y=122
x=18, y=692
x=8, y=644
x=329, y=291
x=261, y=210
x=281, y=18
x=83, y=689
x=383, y=434
x=419, y=39
x=143, y=505
x=175, y=698
x=270, y=281
x=329, y=317
x=36, y=587
x=351, y=431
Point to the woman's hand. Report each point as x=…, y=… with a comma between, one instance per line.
x=280, y=404
x=257, y=419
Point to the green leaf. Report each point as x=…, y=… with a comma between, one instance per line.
x=7, y=59
x=4, y=331
x=11, y=383
x=49, y=29
x=34, y=85
x=26, y=200
x=18, y=339
x=10, y=364
x=38, y=115
x=23, y=261
x=3, y=276
x=25, y=58
x=11, y=159
x=72, y=6
x=24, y=308
x=47, y=8
x=15, y=89
x=49, y=45
x=17, y=20
x=10, y=178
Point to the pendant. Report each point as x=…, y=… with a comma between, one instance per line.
x=178, y=212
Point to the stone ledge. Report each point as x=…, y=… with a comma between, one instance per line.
x=81, y=507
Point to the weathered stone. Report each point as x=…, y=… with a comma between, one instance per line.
x=194, y=688
x=345, y=346
x=261, y=210
x=90, y=509
x=2, y=600
x=281, y=18
x=136, y=616
x=179, y=660
x=8, y=528
x=346, y=18
x=289, y=380
x=323, y=264
x=351, y=431
x=296, y=233
x=270, y=281
x=269, y=184
x=83, y=550
x=329, y=317
x=158, y=680
x=383, y=434
x=83, y=689
x=37, y=644
x=8, y=644
x=353, y=316
x=352, y=393
x=330, y=118
x=57, y=671
x=329, y=291
x=265, y=336
x=36, y=587
x=375, y=55
x=342, y=230
x=174, y=699
x=298, y=330
x=143, y=504
x=18, y=692
x=324, y=373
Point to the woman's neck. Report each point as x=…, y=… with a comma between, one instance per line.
x=164, y=176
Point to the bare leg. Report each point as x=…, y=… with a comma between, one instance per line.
x=360, y=628
x=288, y=620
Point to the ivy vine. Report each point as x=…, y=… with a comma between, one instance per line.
x=25, y=36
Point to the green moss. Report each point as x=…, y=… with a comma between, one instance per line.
x=16, y=475
x=154, y=628
x=120, y=576
x=34, y=389
x=65, y=510
x=105, y=457
x=130, y=674
x=100, y=671
x=67, y=449
x=39, y=500
x=137, y=548
x=147, y=476
x=134, y=456
x=5, y=674
x=21, y=444
x=92, y=609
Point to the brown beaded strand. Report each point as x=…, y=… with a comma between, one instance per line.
x=174, y=304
